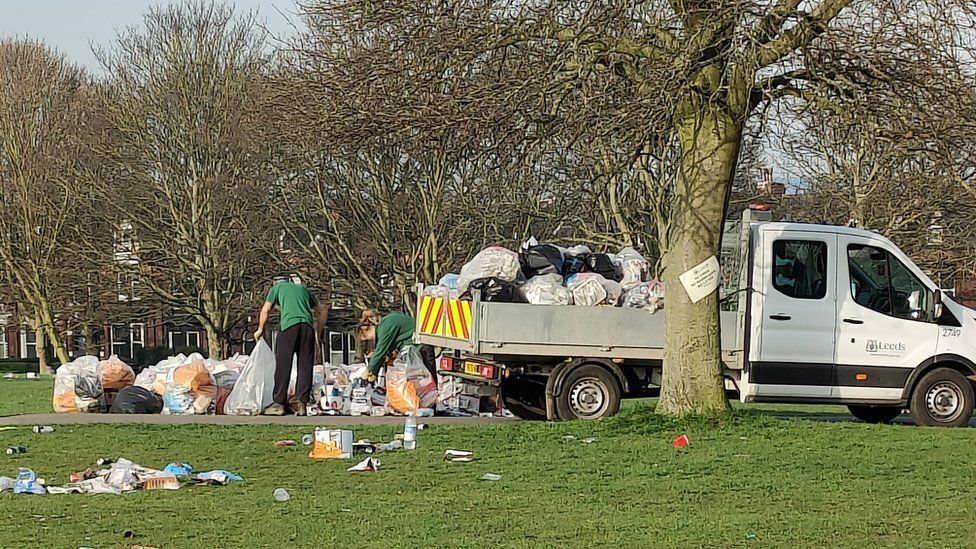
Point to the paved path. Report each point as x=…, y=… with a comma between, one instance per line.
x=159, y=419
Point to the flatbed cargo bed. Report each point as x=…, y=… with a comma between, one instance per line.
x=500, y=330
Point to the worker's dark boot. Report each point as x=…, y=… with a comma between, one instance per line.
x=300, y=410
x=274, y=410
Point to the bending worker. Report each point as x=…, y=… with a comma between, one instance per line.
x=301, y=321
x=393, y=332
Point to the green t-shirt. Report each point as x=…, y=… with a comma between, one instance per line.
x=393, y=332
x=295, y=303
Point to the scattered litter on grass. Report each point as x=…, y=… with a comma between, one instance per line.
x=307, y=440
x=681, y=442
x=459, y=456
x=164, y=481
x=42, y=429
x=367, y=465
x=344, y=510
x=280, y=494
x=219, y=477
x=283, y=443
x=28, y=483
x=492, y=477
x=569, y=438
x=179, y=469
x=8, y=428
x=590, y=440
x=6, y=483
x=12, y=450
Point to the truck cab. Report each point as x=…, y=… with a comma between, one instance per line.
x=842, y=316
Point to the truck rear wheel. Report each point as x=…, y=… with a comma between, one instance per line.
x=588, y=392
x=943, y=398
x=875, y=414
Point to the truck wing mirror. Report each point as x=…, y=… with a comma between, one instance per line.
x=937, y=309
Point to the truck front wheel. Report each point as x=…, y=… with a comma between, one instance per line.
x=588, y=392
x=943, y=398
x=875, y=414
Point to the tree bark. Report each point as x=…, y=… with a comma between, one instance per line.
x=40, y=349
x=692, y=377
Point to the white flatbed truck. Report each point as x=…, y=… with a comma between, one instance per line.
x=822, y=315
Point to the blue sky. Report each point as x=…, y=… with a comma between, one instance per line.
x=72, y=26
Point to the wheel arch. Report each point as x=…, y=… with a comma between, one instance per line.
x=956, y=362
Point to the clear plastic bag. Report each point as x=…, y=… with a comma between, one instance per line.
x=254, y=389
x=591, y=290
x=632, y=266
x=409, y=385
x=493, y=262
x=547, y=290
x=646, y=295
x=78, y=386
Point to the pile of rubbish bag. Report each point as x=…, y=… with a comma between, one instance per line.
x=545, y=274
x=121, y=476
x=243, y=385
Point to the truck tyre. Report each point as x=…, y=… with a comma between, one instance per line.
x=943, y=398
x=589, y=391
x=875, y=414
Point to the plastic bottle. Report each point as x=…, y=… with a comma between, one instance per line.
x=280, y=494
x=43, y=429
x=410, y=433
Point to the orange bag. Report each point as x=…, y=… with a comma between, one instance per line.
x=64, y=403
x=195, y=377
x=409, y=385
x=116, y=375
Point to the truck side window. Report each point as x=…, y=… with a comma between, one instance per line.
x=800, y=268
x=882, y=283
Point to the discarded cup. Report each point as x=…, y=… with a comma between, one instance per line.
x=491, y=477
x=280, y=494
x=11, y=450
x=42, y=429
x=307, y=440
x=681, y=442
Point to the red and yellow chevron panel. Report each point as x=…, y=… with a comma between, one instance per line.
x=449, y=318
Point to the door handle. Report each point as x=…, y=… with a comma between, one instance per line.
x=780, y=317
x=853, y=321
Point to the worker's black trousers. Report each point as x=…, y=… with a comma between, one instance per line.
x=296, y=340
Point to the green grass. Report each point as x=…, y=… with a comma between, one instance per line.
x=26, y=396
x=751, y=480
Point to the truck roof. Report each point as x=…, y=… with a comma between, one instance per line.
x=813, y=227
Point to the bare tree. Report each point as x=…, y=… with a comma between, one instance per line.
x=695, y=72
x=187, y=186
x=44, y=106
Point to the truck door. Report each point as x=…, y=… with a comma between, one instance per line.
x=885, y=327
x=798, y=314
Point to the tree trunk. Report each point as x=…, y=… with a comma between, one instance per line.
x=216, y=344
x=46, y=323
x=89, y=336
x=40, y=348
x=692, y=377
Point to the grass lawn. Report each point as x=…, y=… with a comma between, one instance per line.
x=26, y=396
x=752, y=480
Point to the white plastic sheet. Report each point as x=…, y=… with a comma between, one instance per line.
x=254, y=389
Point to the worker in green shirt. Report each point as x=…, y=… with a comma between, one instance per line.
x=392, y=333
x=302, y=319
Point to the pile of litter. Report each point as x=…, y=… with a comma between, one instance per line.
x=545, y=274
x=242, y=385
x=122, y=476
